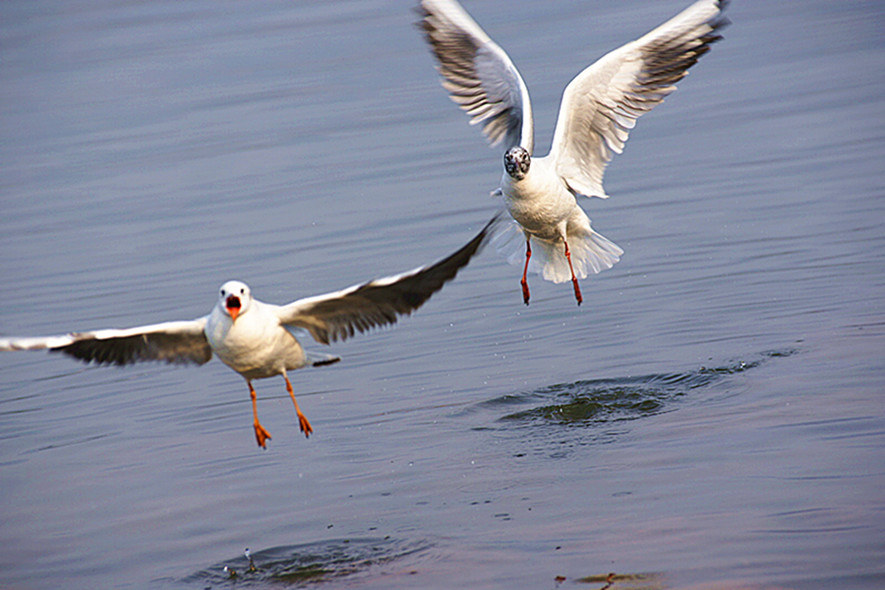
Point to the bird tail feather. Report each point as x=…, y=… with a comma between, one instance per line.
x=590, y=251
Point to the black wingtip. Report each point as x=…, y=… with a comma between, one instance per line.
x=454, y=262
x=137, y=348
x=408, y=293
x=473, y=247
x=721, y=21
x=325, y=362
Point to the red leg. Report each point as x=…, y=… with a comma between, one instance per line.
x=302, y=419
x=261, y=435
x=524, y=282
x=568, y=257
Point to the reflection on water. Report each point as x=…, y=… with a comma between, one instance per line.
x=614, y=581
x=307, y=564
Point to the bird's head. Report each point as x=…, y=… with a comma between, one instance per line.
x=234, y=298
x=517, y=161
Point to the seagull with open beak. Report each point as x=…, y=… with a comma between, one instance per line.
x=257, y=339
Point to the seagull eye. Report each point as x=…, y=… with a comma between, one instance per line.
x=223, y=293
x=242, y=291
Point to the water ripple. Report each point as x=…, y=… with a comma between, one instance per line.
x=599, y=401
x=309, y=563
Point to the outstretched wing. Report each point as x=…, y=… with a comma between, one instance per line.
x=601, y=105
x=172, y=342
x=339, y=315
x=478, y=74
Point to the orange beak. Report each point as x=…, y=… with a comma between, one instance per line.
x=233, y=307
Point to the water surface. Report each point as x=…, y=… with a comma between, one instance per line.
x=711, y=417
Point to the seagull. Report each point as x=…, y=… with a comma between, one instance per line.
x=257, y=339
x=598, y=109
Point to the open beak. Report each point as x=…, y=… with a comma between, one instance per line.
x=233, y=306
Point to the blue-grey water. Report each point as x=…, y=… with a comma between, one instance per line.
x=711, y=417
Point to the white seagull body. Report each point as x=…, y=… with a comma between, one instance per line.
x=598, y=109
x=257, y=339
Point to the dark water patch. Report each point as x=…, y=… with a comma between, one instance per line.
x=652, y=581
x=602, y=401
x=306, y=564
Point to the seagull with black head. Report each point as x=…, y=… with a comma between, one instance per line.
x=599, y=107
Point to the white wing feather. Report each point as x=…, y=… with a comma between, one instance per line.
x=172, y=342
x=478, y=74
x=601, y=104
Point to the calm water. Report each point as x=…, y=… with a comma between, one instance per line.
x=712, y=417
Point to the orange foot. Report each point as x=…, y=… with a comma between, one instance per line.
x=524, y=282
x=261, y=435
x=577, y=291
x=306, y=428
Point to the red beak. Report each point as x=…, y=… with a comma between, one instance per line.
x=233, y=307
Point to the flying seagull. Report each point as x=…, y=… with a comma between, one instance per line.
x=257, y=339
x=598, y=109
